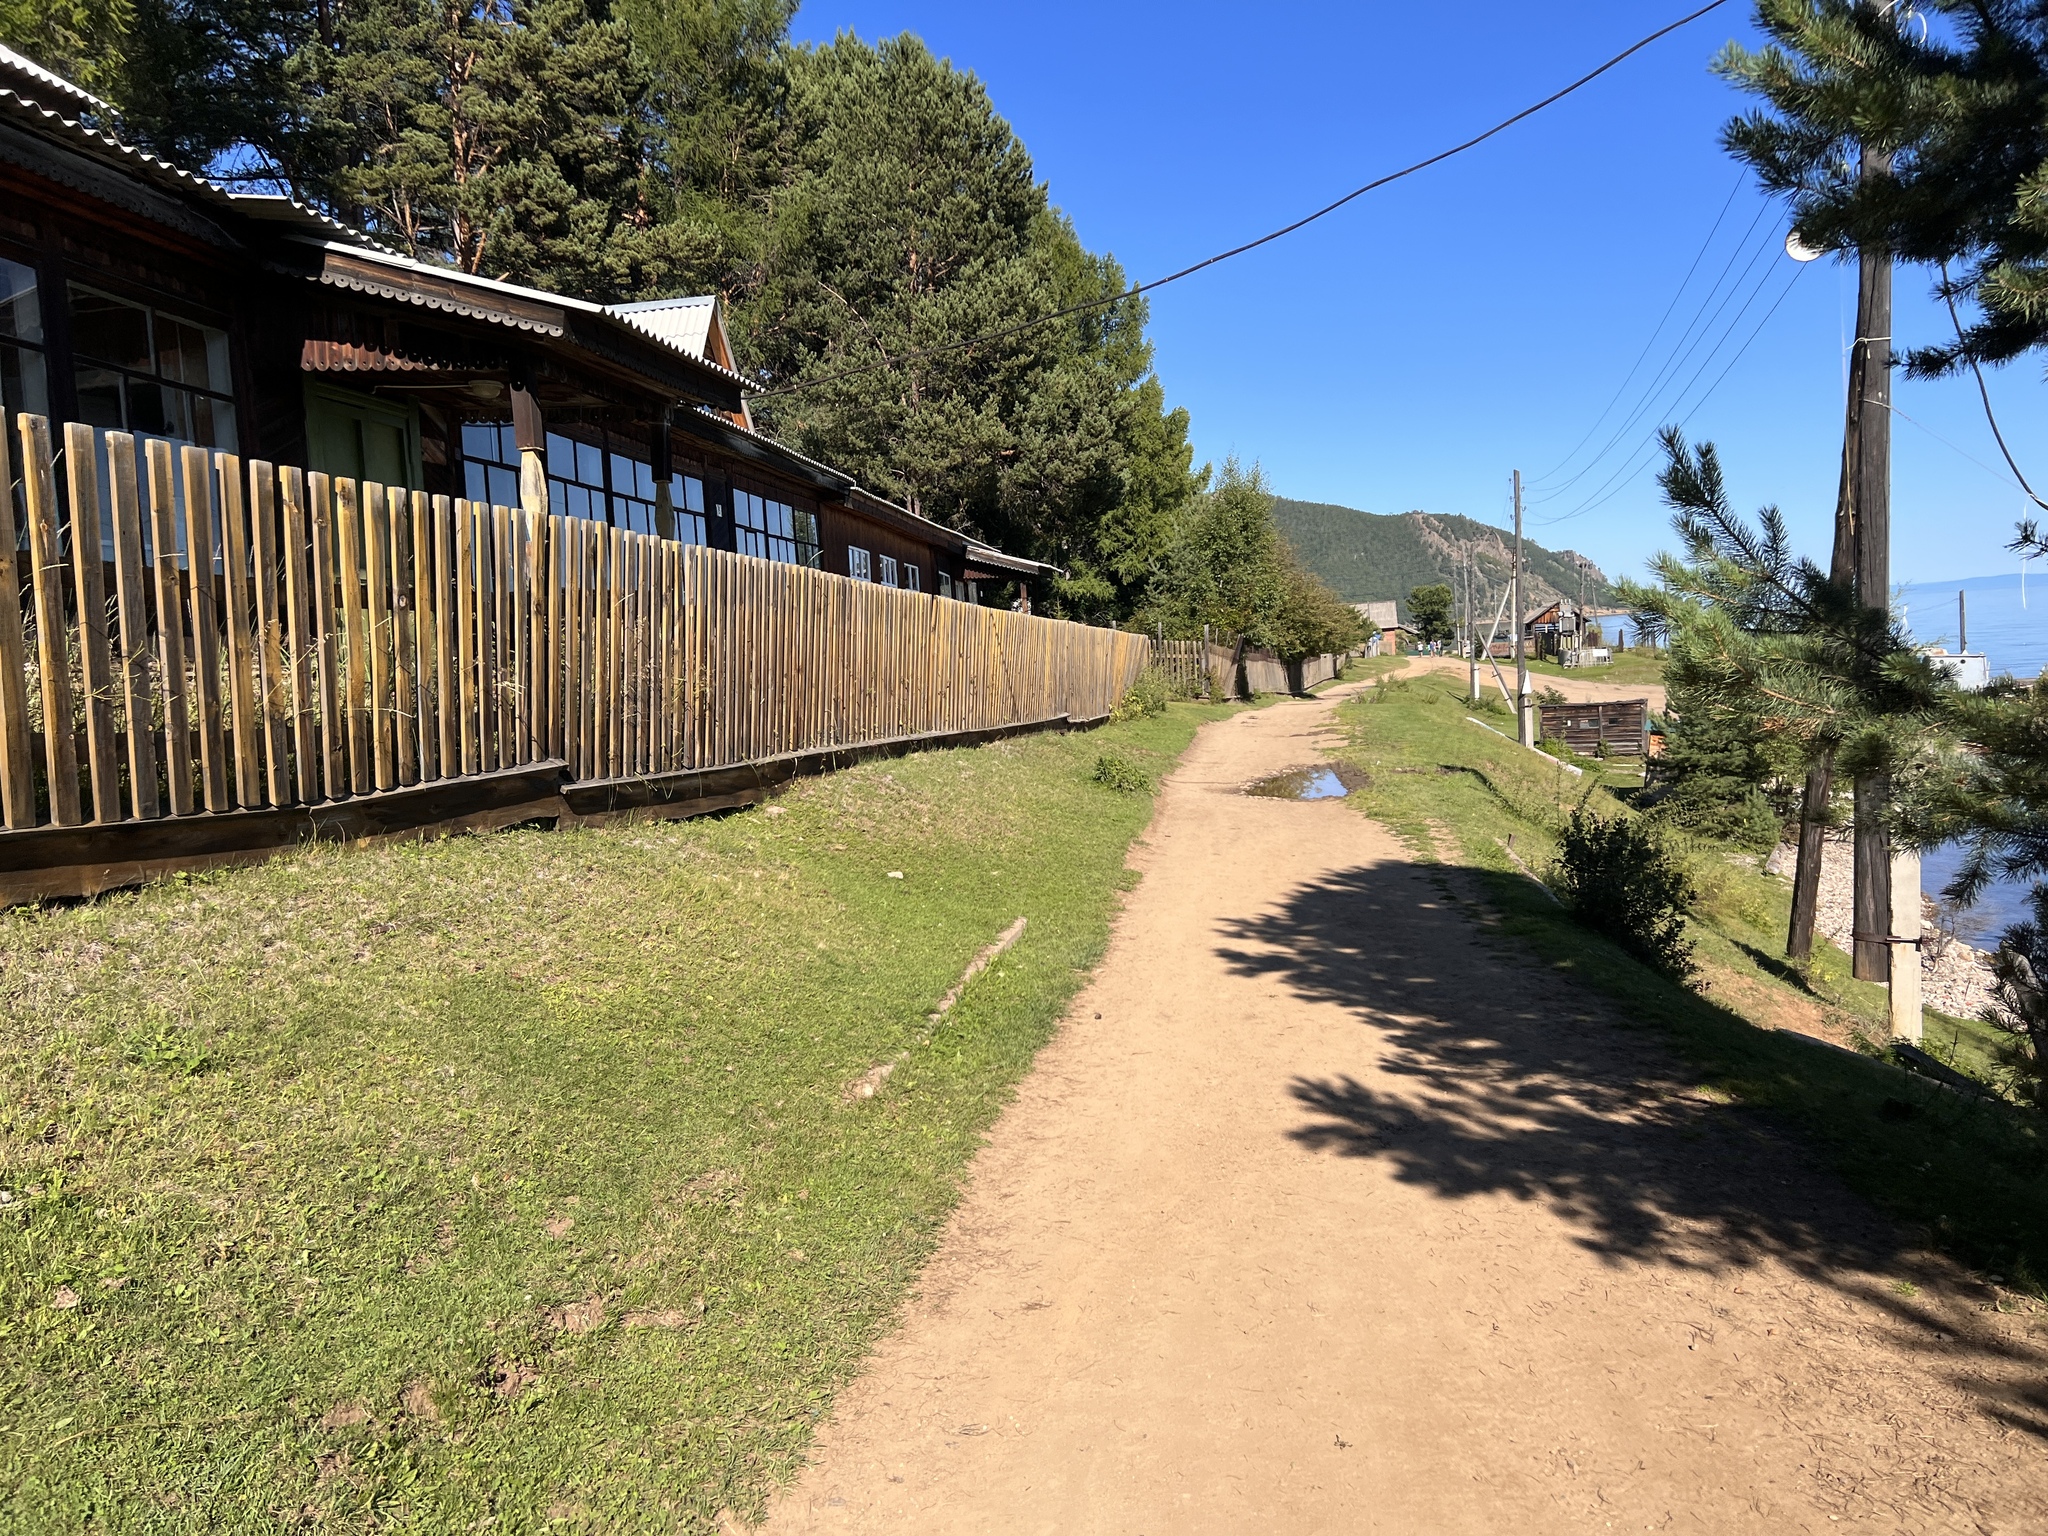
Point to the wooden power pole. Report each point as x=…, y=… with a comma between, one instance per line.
x=1471, y=628
x=1525, y=719
x=1871, y=511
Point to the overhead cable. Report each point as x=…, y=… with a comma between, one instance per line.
x=1005, y=332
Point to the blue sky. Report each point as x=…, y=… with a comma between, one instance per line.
x=1413, y=349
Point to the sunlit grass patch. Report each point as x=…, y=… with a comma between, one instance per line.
x=1973, y=1178
x=516, y=1177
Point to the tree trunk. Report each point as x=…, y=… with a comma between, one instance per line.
x=1813, y=810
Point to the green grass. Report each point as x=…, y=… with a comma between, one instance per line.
x=514, y=1182
x=1972, y=1179
x=1628, y=667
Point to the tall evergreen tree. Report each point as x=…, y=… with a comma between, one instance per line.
x=1962, y=109
x=912, y=221
x=506, y=139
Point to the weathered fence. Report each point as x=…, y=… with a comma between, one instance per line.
x=284, y=642
x=1225, y=668
x=1185, y=665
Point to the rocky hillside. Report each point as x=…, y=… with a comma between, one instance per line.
x=1370, y=556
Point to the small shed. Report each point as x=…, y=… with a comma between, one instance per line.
x=1602, y=728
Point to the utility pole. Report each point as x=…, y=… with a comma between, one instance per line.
x=1471, y=627
x=1525, y=720
x=1581, y=645
x=1872, y=514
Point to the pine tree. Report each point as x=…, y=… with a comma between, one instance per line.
x=1962, y=112
x=912, y=221
x=1767, y=649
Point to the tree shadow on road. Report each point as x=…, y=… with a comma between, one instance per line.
x=1494, y=1074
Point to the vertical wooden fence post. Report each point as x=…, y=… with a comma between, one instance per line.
x=170, y=627
x=17, y=769
x=60, y=745
x=96, y=662
x=327, y=659
x=348, y=534
x=272, y=688
x=243, y=701
x=196, y=471
x=131, y=586
x=299, y=635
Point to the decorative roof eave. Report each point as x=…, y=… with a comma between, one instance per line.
x=205, y=208
x=22, y=64
x=982, y=558
x=668, y=370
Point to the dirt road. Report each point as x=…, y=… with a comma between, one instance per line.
x=1322, y=1214
x=1581, y=688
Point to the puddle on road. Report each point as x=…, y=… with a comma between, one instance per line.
x=1319, y=781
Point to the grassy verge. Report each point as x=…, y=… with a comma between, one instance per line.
x=1627, y=667
x=516, y=1181
x=1972, y=1178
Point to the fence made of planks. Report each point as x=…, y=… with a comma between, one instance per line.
x=204, y=638
x=1602, y=728
x=1223, y=667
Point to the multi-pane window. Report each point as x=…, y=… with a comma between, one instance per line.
x=490, y=463
x=585, y=479
x=858, y=564
x=688, y=494
x=888, y=570
x=24, y=384
x=143, y=371
x=911, y=580
x=774, y=530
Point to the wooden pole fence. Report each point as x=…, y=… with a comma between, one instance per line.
x=276, y=639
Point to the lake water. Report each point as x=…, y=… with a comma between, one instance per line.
x=2008, y=623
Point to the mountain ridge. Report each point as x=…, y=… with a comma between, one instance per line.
x=1373, y=556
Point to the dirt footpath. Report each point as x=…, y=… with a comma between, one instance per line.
x=1322, y=1214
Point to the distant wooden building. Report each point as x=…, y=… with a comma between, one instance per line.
x=1383, y=626
x=1605, y=728
x=136, y=297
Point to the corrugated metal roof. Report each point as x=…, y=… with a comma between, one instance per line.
x=486, y=298
x=35, y=76
x=20, y=100
x=685, y=323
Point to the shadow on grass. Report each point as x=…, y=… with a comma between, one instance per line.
x=1508, y=1077
x=1779, y=968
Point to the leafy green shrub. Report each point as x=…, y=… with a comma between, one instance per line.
x=1618, y=878
x=1114, y=771
x=1149, y=695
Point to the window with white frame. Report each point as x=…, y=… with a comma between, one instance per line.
x=888, y=577
x=858, y=564
x=945, y=585
x=774, y=530
x=911, y=579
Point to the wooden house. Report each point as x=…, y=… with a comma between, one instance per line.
x=139, y=298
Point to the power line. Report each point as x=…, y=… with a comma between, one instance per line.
x=1656, y=331
x=1948, y=297
x=1136, y=289
x=1697, y=330
x=1634, y=465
